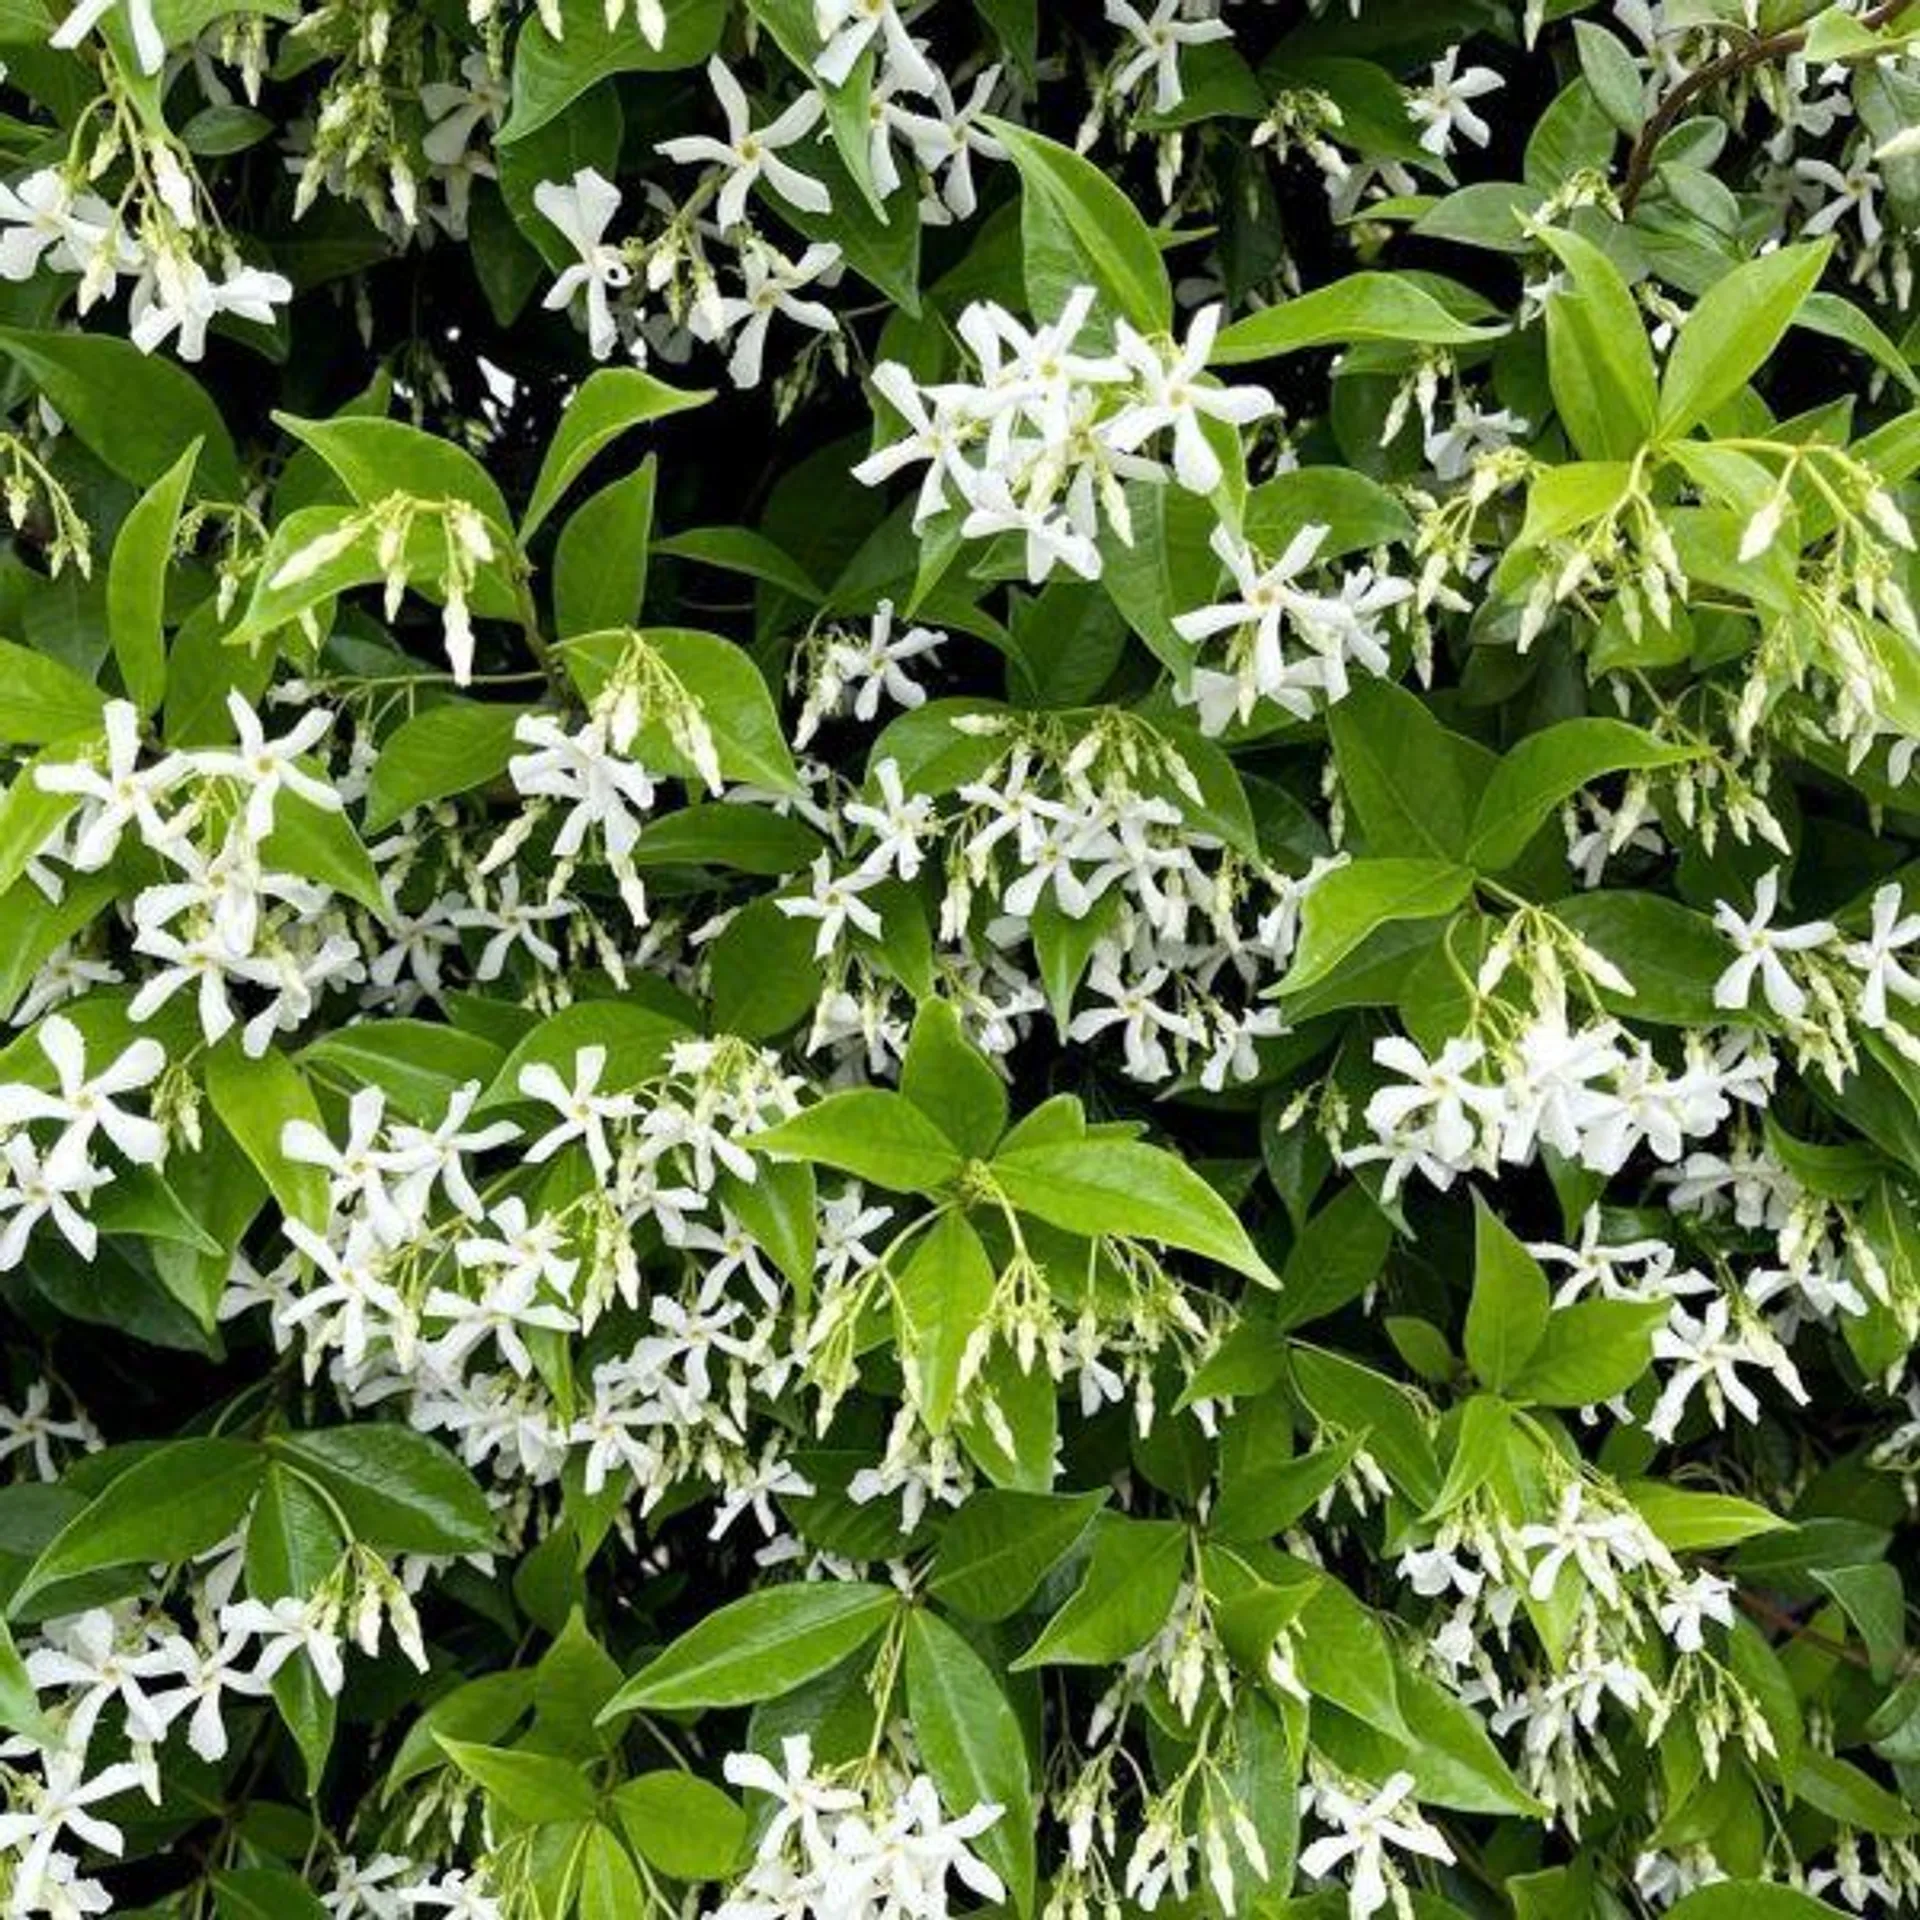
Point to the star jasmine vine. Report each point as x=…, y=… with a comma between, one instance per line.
x=959, y=958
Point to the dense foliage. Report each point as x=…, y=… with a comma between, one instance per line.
x=961, y=956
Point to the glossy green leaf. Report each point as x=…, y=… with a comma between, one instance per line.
x=758, y=1647
x=172, y=1503
x=972, y=1744
x=609, y=403
x=879, y=1136
x=137, y=581
x=1364, y=306
x=996, y=1550
x=1125, y=1187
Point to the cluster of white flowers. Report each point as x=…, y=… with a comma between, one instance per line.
x=1865, y=981
x=676, y=264
x=1595, y=1093
x=129, y=1678
x=232, y=922
x=862, y=1844
x=390, y=1886
x=1618, y=1594
x=1369, y=1826
x=1286, y=642
x=49, y=222
x=585, y=1276
x=430, y=1284
x=1107, y=833
x=54, y=1178
x=1043, y=443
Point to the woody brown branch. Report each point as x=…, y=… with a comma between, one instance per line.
x=1738, y=60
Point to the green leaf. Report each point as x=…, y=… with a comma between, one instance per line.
x=610, y=1883
x=485, y=1710
x=135, y=411
x=1751, y=1900
x=589, y=136
x=436, y=754
x=972, y=1745
x=1872, y=1597
x=1064, y=946
x=534, y=1787
x=418, y=1065
x=1672, y=955
x=375, y=457
x=1017, y=23
x=724, y=683
x=137, y=583
x=576, y=1676
x=1364, y=306
x=28, y=816
x=1733, y=329
x=681, y=1824
x=1351, y=1398
x=609, y=402
x=600, y=561
x=264, y=1893
x=1263, y=1496
x=293, y=1545
x=1256, y=1782
x=1453, y=1761
x=271, y=607
x=1343, y=1655
x=1001, y=1544
x=214, y=132
x=400, y=1491
x=1080, y=229
x=255, y=1100
x=759, y=1647
x=1613, y=75
x=141, y=1203
x=779, y=1207
x=1414, y=786
x=1167, y=569
x=1544, y=769
x=319, y=843
x=849, y=105
x=42, y=701
x=1563, y=499
x=879, y=1136
x=745, y=839
x=1358, y=513
x=763, y=973
x=1837, y=318
x=1480, y=1449
x=1590, y=1352
x=884, y=249
x=1337, y=1257
x=942, y=1301
x=1689, y=1520
x=1598, y=359
x=1123, y=1597
x=173, y=1502
x=293, y=1541
x=1507, y=1315
x=1851, y=1796
x=637, y=1040
x=741, y=550
x=1017, y=1450
x=952, y=1082
x=19, y=1700
x=1346, y=905
x=550, y=74
x=1105, y=1186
